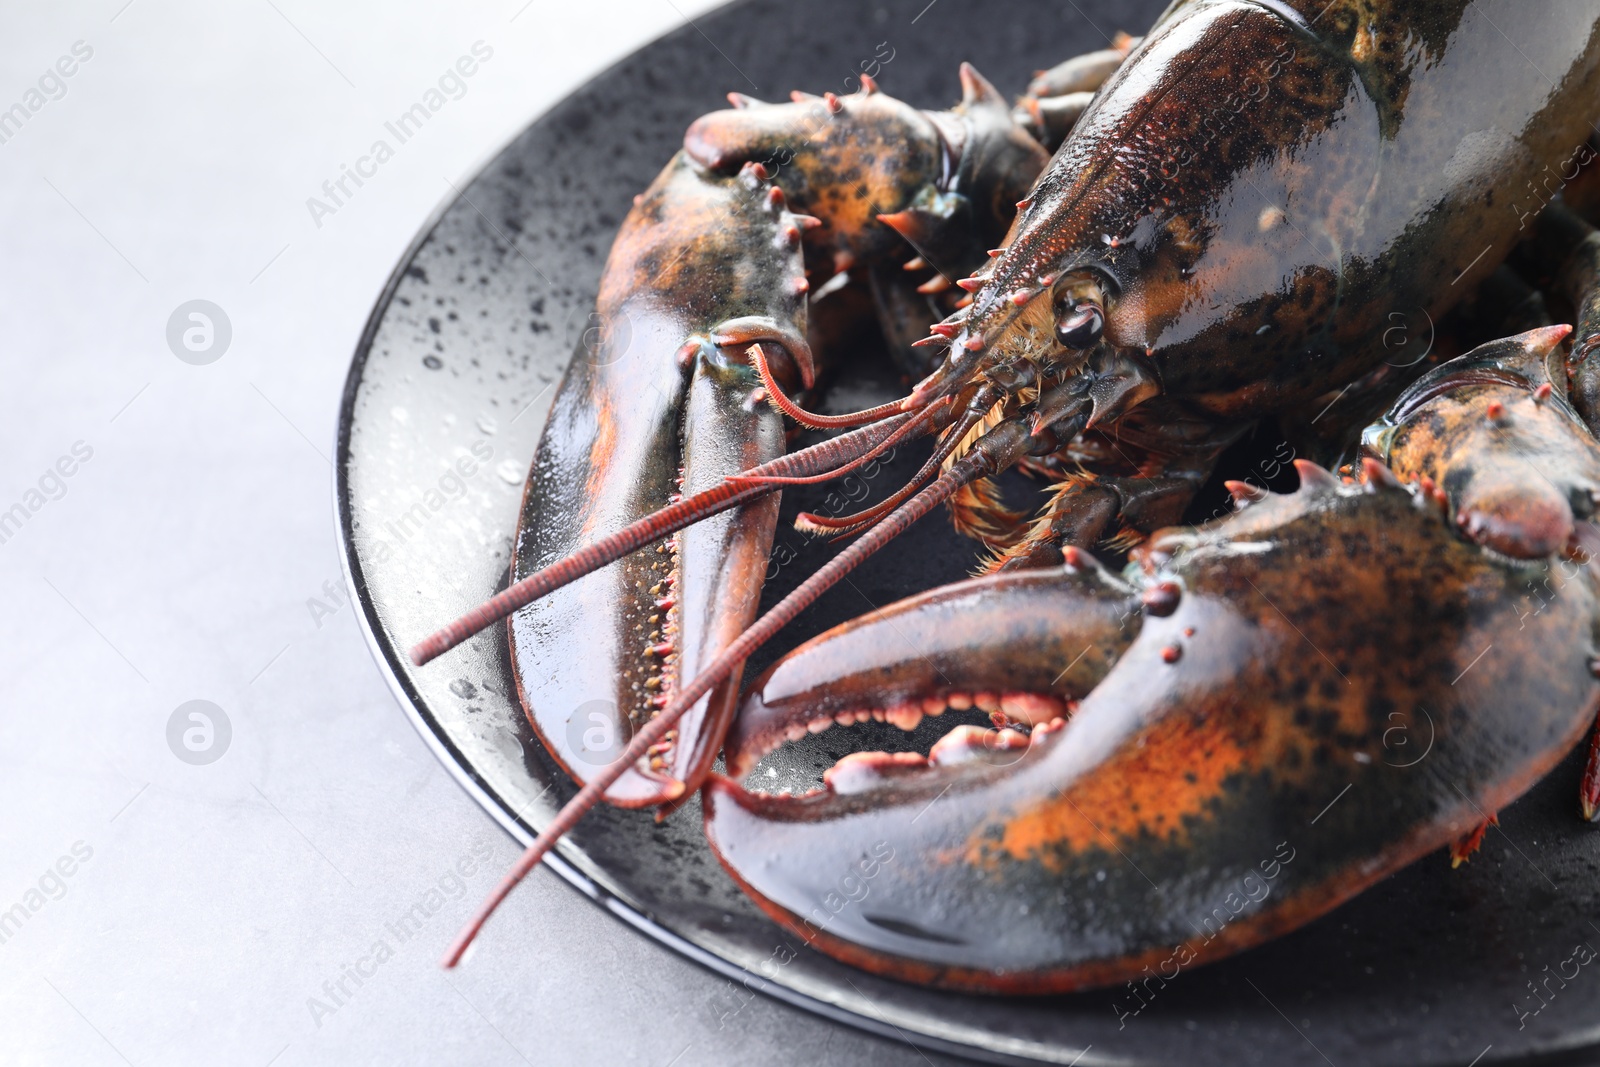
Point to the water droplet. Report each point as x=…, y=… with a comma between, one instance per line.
x=487, y=424
x=510, y=473
x=400, y=414
x=432, y=362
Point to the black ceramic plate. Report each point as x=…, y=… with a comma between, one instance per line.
x=444, y=404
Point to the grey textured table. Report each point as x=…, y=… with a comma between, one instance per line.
x=166, y=536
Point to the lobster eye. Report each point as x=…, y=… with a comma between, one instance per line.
x=1080, y=326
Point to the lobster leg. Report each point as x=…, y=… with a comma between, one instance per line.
x=1057, y=98
x=1082, y=511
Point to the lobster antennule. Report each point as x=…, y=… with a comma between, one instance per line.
x=916, y=425
x=843, y=449
x=807, y=522
x=1004, y=443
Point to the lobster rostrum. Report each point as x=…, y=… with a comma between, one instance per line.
x=1218, y=240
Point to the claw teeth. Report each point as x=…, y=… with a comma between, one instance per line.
x=1031, y=708
x=907, y=716
x=966, y=743
x=861, y=771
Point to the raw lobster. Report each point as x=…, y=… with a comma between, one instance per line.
x=1221, y=238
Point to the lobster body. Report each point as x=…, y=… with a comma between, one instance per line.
x=1261, y=185
x=1200, y=752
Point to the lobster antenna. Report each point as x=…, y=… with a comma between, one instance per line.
x=811, y=523
x=918, y=425
x=976, y=464
x=811, y=419
x=730, y=493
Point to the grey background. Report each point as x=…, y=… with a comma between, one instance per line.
x=193, y=557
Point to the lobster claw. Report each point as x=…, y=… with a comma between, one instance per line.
x=1493, y=431
x=879, y=172
x=1021, y=645
x=662, y=402
x=1282, y=732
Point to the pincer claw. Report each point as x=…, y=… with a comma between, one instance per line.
x=1181, y=811
x=659, y=410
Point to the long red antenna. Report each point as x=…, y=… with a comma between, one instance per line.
x=1004, y=443
x=730, y=493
